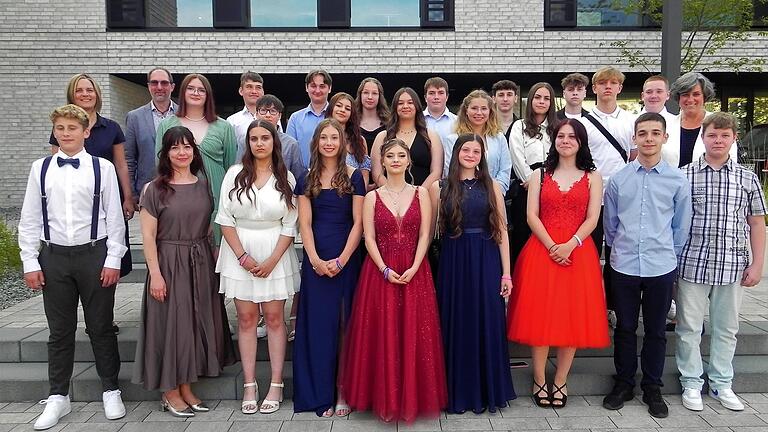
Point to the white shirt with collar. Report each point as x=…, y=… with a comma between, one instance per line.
x=442, y=124
x=527, y=151
x=70, y=204
x=621, y=125
x=240, y=121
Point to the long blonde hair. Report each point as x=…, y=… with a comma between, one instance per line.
x=492, y=126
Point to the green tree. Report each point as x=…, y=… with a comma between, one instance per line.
x=709, y=27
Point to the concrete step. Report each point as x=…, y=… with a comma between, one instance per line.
x=589, y=377
x=29, y=345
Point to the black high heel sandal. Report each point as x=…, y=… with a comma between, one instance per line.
x=555, y=390
x=538, y=399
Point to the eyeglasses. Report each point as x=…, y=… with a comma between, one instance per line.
x=162, y=83
x=270, y=111
x=198, y=90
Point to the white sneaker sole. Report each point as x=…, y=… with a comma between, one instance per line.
x=116, y=416
x=48, y=426
x=725, y=404
x=693, y=406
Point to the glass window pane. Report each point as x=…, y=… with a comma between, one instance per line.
x=194, y=13
x=601, y=13
x=284, y=13
x=377, y=13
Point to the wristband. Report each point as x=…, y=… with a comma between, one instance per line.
x=338, y=264
x=551, y=247
x=386, y=273
x=578, y=240
x=242, y=259
x=508, y=278
x=242, y=255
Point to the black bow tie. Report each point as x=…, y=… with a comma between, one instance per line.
x=75, y=162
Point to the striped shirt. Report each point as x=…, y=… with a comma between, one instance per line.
x=717, y=250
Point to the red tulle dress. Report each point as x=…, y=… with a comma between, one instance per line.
x=554, y=305
x=393, y=357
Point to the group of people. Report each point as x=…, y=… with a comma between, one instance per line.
x=430, y=240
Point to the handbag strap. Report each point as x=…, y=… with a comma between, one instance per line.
x=611, y=139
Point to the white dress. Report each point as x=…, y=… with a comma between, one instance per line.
x=260, y=221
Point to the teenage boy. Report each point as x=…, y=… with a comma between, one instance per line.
x=728, y=222
x=71, y=239
x=439, y=118
x=302, y=123
x=574, y=92
x=505, y=94
x=251, y=89
x=647, y=220
x=140, y=127
x=654, y=97
x=270, y=108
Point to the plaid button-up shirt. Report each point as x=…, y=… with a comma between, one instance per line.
x=717, y=251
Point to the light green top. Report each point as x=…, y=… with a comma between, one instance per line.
x=218, y=148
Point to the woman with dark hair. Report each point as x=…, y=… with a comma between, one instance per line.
x=341, y=109
x=215, y=137
x=372, y=109
x=407, y=124
x=257, y=262
x=184, y=332
x=529, y=142
x=558, y=298
x=393, y=361
x=473, y=280
x=330, y=199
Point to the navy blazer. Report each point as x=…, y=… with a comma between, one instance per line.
x=140, y=146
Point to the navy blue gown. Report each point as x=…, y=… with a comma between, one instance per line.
x=472, y=311
x=324, y=302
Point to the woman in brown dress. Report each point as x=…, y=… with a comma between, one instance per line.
x=184, y=332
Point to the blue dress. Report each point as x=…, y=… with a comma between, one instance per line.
x=472, y=311
x=324, y=302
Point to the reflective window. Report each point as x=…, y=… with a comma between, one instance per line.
x=284, y=13
x=192, y=13
x=599, y=13
x=392, y=13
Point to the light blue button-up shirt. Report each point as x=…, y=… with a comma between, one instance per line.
x=443, y=124
x=301, y=126
x=497, y=154
x=647, y=218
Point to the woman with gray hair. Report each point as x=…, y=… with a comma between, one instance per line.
x=684, y=145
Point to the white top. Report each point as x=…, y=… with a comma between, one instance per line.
x=70, y=206
x=527, y=151
x=621, y=125
x=267, y=209
x=240, y=122
x=671, y=150
x=443, y=124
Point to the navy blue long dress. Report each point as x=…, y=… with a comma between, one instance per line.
x=324, y=302
x=472, y=311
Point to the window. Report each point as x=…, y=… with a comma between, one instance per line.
x=392, y=13
x=593, y=14
x=285, y=13
x=192, y=13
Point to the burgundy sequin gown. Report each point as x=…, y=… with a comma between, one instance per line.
x=393, y=361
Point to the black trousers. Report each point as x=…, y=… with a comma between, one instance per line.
x=597, y=237
x=517, y=217
x=653, y=295
x=73, y=274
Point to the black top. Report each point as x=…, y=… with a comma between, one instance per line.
x=421, y=158
x=104, y=134
x=687, y=142
x=370, y=136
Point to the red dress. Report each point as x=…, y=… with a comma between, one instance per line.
x=554, y=305
x=393, y=357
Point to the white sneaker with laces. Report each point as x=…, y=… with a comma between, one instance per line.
x=672, y=313
x=56, y=407
x=692, y=399
x=113, y=405
x=727, y=398
x=261, y=331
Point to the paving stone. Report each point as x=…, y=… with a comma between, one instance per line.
x=99, y=406
x=76, y=406
x=221, y=415
x=363, y=425
x=159, y=416
x=308, y=426
x=420, y=425
x=213, y=426
x=677, y=421
x=530, y=411
x=634, y=421
x=76, y=417
x=6, y=427
x=465, y=424
x=581, y=411
x=751, y=398
x=626, y=430
x=531, y=423
x=749, y=428
x=284, y=413
x=725, y=411
x=10, y=346
x=29, y=381
x=265, y=426
x=581, y=423
x=472, y=415
x=136, y=415
x=154, y=427
x=28, y=427
x=761, y=408
x=734, y=420
x=17, y=406
x=311, y=416
x=93, y=427
x=16, y=417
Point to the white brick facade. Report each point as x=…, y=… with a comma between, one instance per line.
x=44, y=42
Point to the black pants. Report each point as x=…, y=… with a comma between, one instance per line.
x=597, y=237
x=71, y=274
x=653, y=295
x=520, y=231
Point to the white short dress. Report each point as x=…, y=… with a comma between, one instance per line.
x=260, y=220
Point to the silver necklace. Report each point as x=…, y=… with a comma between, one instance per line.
x=194, y=120
x=470, y=186
x=396, y=200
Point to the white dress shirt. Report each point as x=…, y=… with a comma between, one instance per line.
x=70, y=206
x=621, y=125
x=527, y=151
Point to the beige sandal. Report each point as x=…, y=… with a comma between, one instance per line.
x=250, y=406
x=269, y=406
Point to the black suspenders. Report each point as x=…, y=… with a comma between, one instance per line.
x=96, y=199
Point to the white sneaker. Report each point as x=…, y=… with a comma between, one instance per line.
x=672, y=313
x=113, y=405
x=612, y=319
x=261, y=331
x=56, y=407
x=727, y=398
x=692, y=399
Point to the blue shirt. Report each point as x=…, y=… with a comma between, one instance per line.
x=647, y=218
x=443, y=125
x=497, y=154
x=301, y=126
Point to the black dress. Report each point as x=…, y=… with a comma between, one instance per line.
x=371, y=135
x=421, y=158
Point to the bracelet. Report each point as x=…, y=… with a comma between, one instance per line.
x=578, y=240
x=242, y=255
x=338, y=264
x=242, y=259
x=386, y=272
x=508, y=278
x=552, y=247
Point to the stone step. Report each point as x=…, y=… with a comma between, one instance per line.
x=589, y=377
x=29, y=345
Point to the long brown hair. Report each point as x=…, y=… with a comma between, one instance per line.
x=173, y=136
x=452, y=193
x=247, y=176
x=531, y=127
x=394, y=120
x=340, y=180
x=381, y=106
x=351, y=128
x=209, y=109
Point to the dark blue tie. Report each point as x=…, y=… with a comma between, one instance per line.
x=75, y=162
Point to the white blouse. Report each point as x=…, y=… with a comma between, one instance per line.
x=527, y=151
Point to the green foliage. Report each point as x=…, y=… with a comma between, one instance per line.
x=709, y=26
x=9, y=250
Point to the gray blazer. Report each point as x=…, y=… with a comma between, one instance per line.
x=140, y=146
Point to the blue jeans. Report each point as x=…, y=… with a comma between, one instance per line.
x=722, y=302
